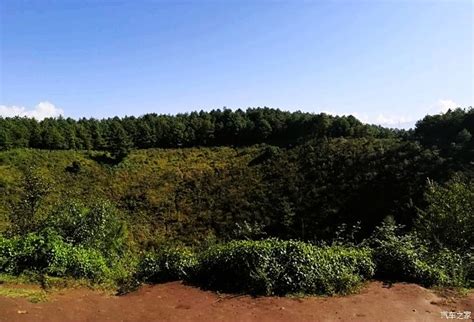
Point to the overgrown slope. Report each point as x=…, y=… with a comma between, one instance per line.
x=93, y=214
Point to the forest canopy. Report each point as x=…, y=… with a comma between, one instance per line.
x=214, y=128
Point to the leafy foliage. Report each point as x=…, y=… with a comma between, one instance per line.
x=406, y=257
x=47, y=253
x=218, y=127
x=34, y=189
x=73, y=240
x=282, y=267
x=166, y=264
x=448, y=219
x=97, y=226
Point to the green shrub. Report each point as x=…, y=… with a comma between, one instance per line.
x=28, y=252
x=166, y=264
x=405, y=257
x=88, y=263
x=97, y=226
x=74, y=240
x=78, y=262
x=34, y=189
x=456, y=268
x=448, y=220
x=59, y=259
x=282, y=267
x=47, y=253
x=470, y=269
x=399, y=257
x=7, y=252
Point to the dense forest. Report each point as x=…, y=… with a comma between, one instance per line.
x=215, y=128
x=204, y=178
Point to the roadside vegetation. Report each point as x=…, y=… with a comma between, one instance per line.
x=317, y=212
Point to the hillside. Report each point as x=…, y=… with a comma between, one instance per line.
x=147, y=185
x=319, y=215
x=305, y=190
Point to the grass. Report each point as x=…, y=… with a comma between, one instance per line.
x=21, y=291
x=22, y=286
x=57, y=283
x=142, y=185
x=36, y=287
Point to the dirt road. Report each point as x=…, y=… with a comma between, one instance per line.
x=178, y=302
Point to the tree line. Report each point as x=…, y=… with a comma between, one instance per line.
x=215, y=128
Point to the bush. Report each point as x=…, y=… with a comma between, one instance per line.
x=47, y=253
x=7, y=249
x=29, y=252
x=166, y=264
x=87, y=263
x=97, y=226
x=470, y=269
x=282, y=267
x=34, y=189
x=78, y=262
x=74, y=240
x=398, y=257
x=448, y=220
x=456, y=268
x=405, y=257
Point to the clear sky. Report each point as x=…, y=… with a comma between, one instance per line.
x=387, y=62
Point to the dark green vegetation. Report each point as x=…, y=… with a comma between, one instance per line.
x=215, y=128
x=73, y=240
x=283, y=267
x=318, y=205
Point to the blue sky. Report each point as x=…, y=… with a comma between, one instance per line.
x=387, y=62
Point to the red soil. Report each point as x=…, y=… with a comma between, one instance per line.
x=178, y=302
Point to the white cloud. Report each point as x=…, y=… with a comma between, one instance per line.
x=360, y=117
x=402, y=121
x=399, y=121
x=39, y=112
x=442, y=106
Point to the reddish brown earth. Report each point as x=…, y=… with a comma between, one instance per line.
x=178, y=302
